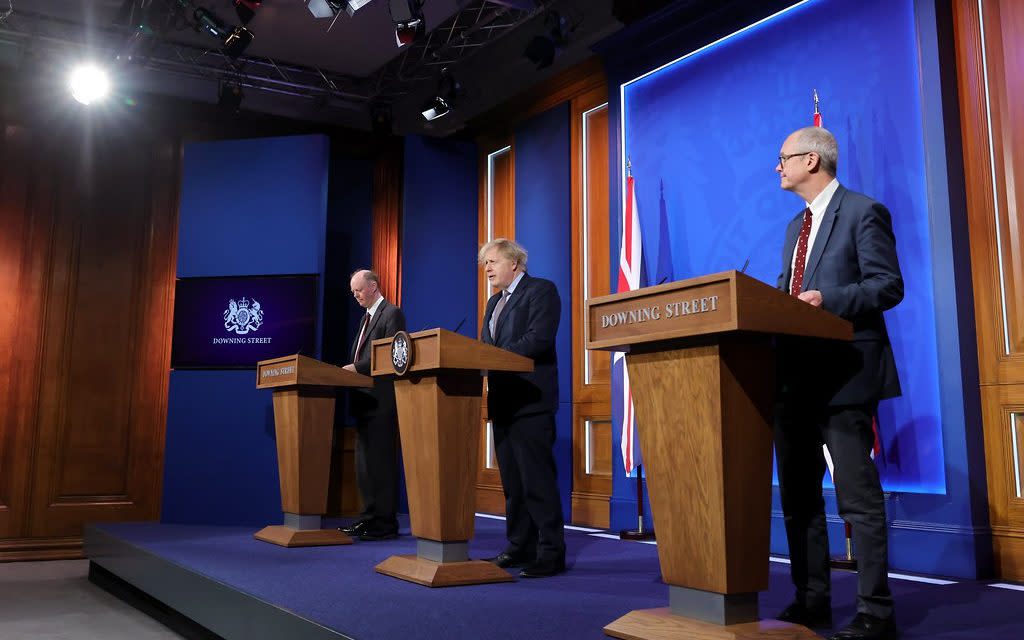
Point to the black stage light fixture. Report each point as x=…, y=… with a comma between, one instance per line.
x=331, y=8
x=233, y=40
x=541, y=49
x=381, y=120
x=229, y=97
x=246, y=9
x=408, y=18
x=448, y=91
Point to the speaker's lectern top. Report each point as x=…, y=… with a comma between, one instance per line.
x=687, y=310
x=297, y=369
x=439, y=349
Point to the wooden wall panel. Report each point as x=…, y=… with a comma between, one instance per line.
x=90, y=275
x=592, y=486
x=497, y=219
x=990, y=67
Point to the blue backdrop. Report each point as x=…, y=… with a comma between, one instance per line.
x=702, y=134
x=543, y=227
x=248, y=207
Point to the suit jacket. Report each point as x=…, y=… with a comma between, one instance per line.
x=386, y=322
x=853, y=263
x=527, y=326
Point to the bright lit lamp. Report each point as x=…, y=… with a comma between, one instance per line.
x=89, y=83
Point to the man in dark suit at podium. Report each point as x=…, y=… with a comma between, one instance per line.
x=839, y=254
x=522, y=317
x=376, y=416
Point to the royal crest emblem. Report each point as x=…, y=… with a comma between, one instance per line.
x=401, y=352
x=242, y=317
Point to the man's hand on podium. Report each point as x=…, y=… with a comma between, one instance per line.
x=812, y=297
x=350, y=367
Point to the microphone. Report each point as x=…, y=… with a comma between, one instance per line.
x=459, y=326
x=745, y=265
x=662, y=280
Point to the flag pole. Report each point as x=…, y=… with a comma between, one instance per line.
x=640, y=533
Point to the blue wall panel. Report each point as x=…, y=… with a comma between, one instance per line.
x=253, y=207
x=248, y=207
x=439, y=235
x=543, y=227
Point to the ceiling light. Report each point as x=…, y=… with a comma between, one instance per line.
x=89, y=83
x=408, y=18
x=246, y=9
x=542, y=49
x=448, y=91
x=331, y=8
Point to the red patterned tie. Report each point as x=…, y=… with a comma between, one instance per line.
x=801, y=255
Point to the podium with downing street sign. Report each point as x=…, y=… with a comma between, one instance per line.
x=701, y=366
x=304, y=422
x=438, y=387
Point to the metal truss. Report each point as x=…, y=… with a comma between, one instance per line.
x=477, y=24
x=42, y=34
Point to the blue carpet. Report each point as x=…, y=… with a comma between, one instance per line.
x=338, y=588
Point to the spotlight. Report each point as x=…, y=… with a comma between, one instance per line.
x=542, y=49
x=380, y=119
x=408, y=18
x=246, y=9
x=448, y=90
x=233, y=40
x=331, y=8
x=89, y=83
x=229, y=97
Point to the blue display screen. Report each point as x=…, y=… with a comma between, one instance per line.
x=234, y=322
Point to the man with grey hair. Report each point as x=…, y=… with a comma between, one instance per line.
x=839, y=254
x=376, y=415
x=522, y=317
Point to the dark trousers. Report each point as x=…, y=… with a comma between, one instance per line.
x=533, y=509
x=377, y=468
x=799, y=434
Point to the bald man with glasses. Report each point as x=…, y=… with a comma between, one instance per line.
x=839, y=254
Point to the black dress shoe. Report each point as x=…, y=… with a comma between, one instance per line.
x=504, y=560
x=867, y=627
x=819, y=617
x=543, y=569
x=355, y=528
x=375, y=534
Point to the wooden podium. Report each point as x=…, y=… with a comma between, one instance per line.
x=701, y=368
x=303, y=421
x=438, y=400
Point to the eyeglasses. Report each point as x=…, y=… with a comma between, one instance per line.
x=784, y=157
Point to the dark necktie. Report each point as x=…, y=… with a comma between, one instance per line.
x=497, y=311
x=362, y=335
x=801, y=255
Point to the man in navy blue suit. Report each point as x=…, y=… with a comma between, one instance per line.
x=839, y=254
x=522, y=317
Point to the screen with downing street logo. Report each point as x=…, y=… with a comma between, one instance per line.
x=234, y=322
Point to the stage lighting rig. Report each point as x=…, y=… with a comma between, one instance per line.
x=408, y=18
x=542, y=49
x=331, y=8
x=448, y=91
x=246, y=9
x=233, y=40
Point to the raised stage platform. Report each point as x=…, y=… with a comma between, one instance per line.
x=237, y=587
